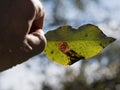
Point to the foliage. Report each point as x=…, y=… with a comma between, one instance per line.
x=70, y=45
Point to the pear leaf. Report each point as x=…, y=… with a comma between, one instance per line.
x=67, y=45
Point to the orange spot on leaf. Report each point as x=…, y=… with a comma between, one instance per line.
x=63, y=47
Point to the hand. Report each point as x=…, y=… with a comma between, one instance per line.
x=35, y=40
x=21, y=31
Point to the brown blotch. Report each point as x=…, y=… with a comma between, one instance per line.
x=52, y=52
x=71, y=54
x=63, y=47
x=74, y=57
x=102, y=45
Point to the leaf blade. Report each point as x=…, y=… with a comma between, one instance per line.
x=83, y=43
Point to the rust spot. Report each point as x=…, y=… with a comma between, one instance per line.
x=63, y=47
x=71, y=54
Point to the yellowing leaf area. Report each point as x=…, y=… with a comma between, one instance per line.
x=67, y=45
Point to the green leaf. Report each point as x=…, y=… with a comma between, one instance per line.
x=66, y=45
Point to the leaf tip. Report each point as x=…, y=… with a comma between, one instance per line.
x=112, y=39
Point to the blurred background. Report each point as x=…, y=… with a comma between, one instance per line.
x=99, y=73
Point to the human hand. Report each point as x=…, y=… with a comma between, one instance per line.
x=21, y=31
x=35, y=40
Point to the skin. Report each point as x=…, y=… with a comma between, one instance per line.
x=21, y=31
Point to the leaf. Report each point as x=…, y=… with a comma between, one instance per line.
x=67, y=45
